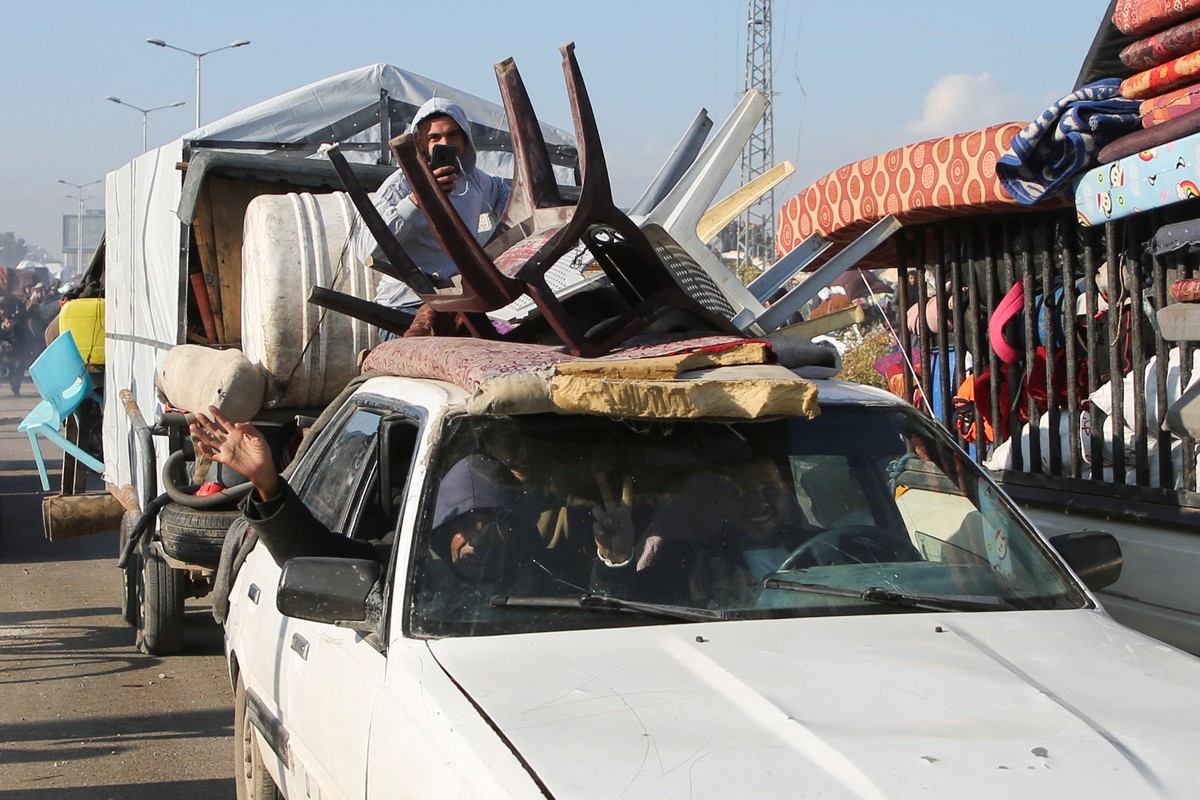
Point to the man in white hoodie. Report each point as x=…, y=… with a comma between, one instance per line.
x=473, y=193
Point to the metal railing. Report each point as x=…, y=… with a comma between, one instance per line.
x=1082, y=334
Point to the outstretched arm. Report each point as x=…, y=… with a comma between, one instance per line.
x=239, y=446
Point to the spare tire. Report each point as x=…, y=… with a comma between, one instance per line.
x=195, y=536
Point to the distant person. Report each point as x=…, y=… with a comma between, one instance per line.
x=14, y=347
x=473, y=193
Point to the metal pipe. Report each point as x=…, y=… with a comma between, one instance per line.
x=147, y=474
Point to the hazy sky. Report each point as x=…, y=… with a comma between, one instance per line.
x=851, y=78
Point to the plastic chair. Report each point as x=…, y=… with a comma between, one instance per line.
x=680, y=211
x=63, y=382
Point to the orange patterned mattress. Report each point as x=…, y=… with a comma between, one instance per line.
x=923, y=182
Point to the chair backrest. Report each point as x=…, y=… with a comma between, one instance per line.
x=483, y=288
x=680, y=211
x=60, y=375
x=534, y=185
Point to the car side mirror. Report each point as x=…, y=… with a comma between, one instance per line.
x=1095, y=556
x=336, y=591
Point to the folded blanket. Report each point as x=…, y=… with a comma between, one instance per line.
x=1140, y=17
x=1169, y=106
x=1147, y=138
x=1162, y=47
x=1163, y=78
x=1064, y=140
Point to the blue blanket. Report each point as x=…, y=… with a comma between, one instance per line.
x=1066, y=139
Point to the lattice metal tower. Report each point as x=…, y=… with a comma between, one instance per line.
x=756, y=239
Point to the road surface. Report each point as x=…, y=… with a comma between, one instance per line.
x=82, y=713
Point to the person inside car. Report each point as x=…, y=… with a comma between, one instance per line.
x=472, y=529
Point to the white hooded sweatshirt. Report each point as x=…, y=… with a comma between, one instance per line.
x=476, y=194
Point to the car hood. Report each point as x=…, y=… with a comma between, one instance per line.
x=1022, y=704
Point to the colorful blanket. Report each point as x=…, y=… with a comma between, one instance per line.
x=1064, y=140
x=469, y=363
x=1145, y=179
x=1162, y=47
x=1163, y=78
x=1140, y=17
x=1169, y=106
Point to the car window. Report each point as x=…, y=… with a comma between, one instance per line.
x=736, y=520
x=348, y=459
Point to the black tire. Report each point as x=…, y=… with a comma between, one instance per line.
x=131, y=572
x=194, y=536
x=162, y=594
x=252, y=780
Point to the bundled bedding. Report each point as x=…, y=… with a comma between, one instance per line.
x=1167, y=54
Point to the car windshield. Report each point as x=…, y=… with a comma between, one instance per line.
x=557, y=522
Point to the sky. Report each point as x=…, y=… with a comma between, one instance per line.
x=850, y=79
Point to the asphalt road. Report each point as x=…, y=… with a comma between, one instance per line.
x=82, y=713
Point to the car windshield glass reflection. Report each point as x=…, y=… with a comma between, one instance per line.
x=528, y=522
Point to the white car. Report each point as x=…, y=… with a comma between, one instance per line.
x=841, y=606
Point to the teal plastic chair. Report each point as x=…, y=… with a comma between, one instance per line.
x=63, y=381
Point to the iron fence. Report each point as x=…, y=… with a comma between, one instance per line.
x=1059, y=371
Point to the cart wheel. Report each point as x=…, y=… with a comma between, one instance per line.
x=132, y=571
x=163, y=590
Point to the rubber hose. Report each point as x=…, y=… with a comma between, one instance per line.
x=144, y=525
x=185, y=495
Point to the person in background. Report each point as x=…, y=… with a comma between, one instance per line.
x=13, y=347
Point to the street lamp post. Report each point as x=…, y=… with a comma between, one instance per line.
x=145, y=113
x=161, y=43
x=79, y=187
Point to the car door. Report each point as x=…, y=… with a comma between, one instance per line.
x=330, y=675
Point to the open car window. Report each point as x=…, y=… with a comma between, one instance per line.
x=342, y=469
x=725, y=518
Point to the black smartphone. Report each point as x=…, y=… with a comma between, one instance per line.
x=443, y=155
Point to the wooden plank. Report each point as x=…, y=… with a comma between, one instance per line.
x=206, y=246
x=828, y=323
x=727, y=210
x=217, y=227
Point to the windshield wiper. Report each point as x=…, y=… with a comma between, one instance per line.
x=594, y=601
x=891, y=597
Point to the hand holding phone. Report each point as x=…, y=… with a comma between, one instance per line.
x=443, y=155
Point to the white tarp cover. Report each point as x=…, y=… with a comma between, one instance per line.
x=143, y=294
x=310, y=111
x=146, y=269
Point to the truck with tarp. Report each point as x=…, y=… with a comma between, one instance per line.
x=213, y=243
